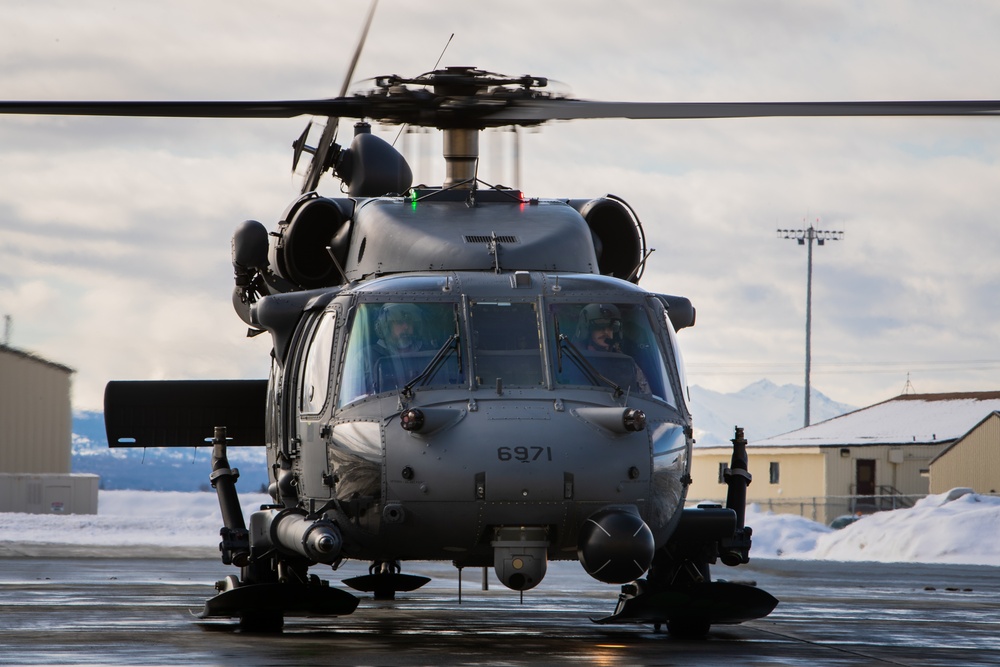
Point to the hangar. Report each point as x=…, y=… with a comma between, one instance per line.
x=972, y=461
x=36, y=439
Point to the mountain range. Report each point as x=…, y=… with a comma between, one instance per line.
x=157, y=468
x=763, y=409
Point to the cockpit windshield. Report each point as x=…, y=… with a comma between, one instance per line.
x=392, y=344
x=506, y=345
x=402, y=346
x=608, y=344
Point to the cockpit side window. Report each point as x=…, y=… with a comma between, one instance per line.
x=678, y=358
x=616, y=341
x=392, y=344
x=315, y=377
x=506, y=343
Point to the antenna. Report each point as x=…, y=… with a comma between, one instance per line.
x=908, y=387
x=437, y=62
x=821, y=237
x=8, y=324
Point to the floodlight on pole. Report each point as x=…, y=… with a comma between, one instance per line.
x=820, y=237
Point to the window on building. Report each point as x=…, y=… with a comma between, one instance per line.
x=774, y=472
x=722, y=472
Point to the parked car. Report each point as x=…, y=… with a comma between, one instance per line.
x=844, y=520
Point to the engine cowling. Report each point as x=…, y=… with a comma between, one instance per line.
x=312, y=225
x=619, y=241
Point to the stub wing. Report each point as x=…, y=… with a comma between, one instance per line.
x=184, y=413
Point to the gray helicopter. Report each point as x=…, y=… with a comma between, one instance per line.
x=459, y=372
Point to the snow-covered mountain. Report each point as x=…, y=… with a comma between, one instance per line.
x=156, y=468
x=763, y=409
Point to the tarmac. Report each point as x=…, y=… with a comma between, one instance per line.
x=85, y=610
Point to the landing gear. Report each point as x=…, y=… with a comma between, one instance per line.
x=264, y=596
x=678, y=593
x=678, y=590
x=385, y=579
x=688, y=628
x=272, y=585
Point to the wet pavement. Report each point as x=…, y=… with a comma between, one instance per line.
x=111, y=611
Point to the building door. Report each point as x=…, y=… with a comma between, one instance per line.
x=865, y=478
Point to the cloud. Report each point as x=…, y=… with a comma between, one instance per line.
x=115, y=233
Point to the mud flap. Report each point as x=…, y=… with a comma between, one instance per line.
x=716, y=602
x=287, y=599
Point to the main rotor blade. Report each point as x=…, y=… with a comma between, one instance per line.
x=358, y=49
x=428, y=110
x=192, y=109
x=541, y=110
x=318, y=163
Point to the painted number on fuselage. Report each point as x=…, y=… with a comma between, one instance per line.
x=524, y=454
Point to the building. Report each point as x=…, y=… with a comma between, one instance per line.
x=972, y=461
x=870, y=459
x=36, y=438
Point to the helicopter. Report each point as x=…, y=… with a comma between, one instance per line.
x=459, y=372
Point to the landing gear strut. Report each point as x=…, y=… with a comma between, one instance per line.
x=271, y=586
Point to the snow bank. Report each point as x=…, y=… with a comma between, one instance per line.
x=779, y=535
x=955, y=527
x=938, y=529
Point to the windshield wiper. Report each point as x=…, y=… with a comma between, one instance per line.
x=559, y=338
x=585, y=364
x=433, y=365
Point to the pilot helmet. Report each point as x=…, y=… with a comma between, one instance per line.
x=398, y=312
x=597, y=316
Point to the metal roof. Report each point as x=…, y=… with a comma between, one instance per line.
x=910, y=419
x=34, y=357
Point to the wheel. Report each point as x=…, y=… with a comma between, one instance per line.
x=688, y=628
x=262, y=621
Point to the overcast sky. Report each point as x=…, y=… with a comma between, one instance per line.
x=115, y=247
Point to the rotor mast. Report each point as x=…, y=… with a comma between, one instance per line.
x=461, y=155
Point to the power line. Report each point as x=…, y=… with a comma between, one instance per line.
x=841, y=367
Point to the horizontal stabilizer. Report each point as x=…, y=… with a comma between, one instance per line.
x=184, y=413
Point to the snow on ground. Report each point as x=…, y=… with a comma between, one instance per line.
x=956, y=527
x=126, y=518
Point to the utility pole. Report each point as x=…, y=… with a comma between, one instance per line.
x=820, y=237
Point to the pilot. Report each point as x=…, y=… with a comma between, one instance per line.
x=600, y=330
x=399, y=328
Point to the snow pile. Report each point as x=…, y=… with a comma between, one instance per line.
x=956, y=527
x=938, y=529
x=778, y=535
